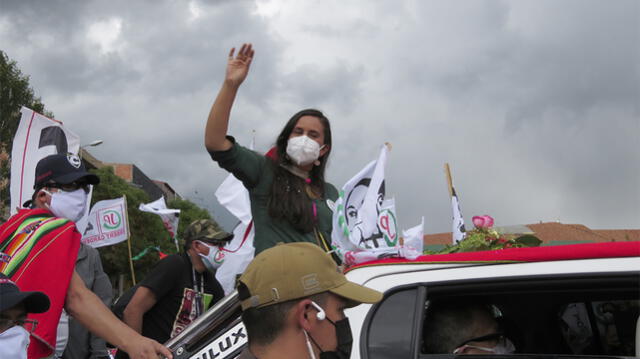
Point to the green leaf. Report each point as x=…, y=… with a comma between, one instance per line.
x=528, y=240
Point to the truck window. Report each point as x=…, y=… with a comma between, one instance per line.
x=390, y=333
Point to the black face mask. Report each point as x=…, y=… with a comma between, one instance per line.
x=344, y=339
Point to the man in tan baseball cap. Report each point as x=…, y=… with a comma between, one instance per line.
x=293, y=298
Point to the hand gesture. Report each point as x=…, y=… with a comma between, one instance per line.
x=238, y=66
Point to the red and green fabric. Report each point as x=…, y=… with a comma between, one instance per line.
x=38, y=252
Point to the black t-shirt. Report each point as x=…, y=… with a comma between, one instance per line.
x=172, y=282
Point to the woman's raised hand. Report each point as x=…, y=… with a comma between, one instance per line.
x=238, y=65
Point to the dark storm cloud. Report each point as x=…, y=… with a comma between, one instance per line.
x=534, y=103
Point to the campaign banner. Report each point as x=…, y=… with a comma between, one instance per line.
x=170, y=217
x=107, y=223
x=363, y=219
x=37, y=137
x=365, y=226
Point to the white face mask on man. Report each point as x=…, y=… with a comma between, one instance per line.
x=214, y=259
x=303, y=150
x=70, y=205
x=14, y=342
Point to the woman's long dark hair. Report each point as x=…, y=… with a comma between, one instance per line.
x=288, y=199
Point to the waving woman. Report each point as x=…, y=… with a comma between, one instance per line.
x=290, y=200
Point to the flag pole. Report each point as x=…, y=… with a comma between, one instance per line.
x=447, y=172
x=126, y=219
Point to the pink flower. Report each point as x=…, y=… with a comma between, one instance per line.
x=482, y=221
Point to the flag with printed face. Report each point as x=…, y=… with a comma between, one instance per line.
x=37, y=137
x=364, y=222
x=363, y=219
x=169, y=216
x=107, y=223
x=458, y=233
x=240, y=251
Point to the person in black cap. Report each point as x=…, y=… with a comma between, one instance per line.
x=14, y=325
x=180, y=287
x=38, y=250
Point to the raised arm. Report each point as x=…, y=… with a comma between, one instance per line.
x=218, y=122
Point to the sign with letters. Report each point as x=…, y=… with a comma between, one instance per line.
x=107, y=223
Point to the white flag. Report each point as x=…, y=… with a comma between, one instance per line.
x=107, y=223
x=170, y=217
x=458, y=233
x=37, y=137
x=413, y=241
x=363, y=219
x=365, y=225
x=240, y=251
x=237, y=255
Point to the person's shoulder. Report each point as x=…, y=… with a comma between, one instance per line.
x=173, y=259
x=331, y=190
x=170, y=263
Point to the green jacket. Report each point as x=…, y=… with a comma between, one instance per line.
x=256, y=173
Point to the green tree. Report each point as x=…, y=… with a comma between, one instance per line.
x=15, y=92
x=146, y=228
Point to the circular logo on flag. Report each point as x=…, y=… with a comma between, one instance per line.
x=74, y=160
x=111, y=219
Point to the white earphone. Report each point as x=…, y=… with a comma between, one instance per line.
x=321, y=314
x=306, y=336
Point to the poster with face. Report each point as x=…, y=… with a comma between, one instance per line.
x=363, y=218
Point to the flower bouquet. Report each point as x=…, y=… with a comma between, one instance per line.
x=484, y=238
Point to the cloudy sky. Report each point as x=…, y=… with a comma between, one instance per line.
x=535, y=104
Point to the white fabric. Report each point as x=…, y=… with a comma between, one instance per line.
x=107, y=223
x=355, y=221
x=458, y=232
x=237, y=257
x=14, y=343
x=365, y=225
x=170, y=217
x=82, y=223
x=413, y=241
x=240, y=251
x=26, y=151
x=62, y=334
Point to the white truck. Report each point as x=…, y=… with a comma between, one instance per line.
x=571, y=301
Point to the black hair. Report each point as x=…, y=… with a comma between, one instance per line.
x=288, y=199
x=449, y=323
x=266, y=323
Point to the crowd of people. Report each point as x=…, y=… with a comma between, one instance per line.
x=293, y=294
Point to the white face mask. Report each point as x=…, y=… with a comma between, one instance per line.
x=70, y=205
x=214, y=259
x=302, y=150
x=14, y=342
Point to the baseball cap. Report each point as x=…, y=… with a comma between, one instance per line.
x=10, y=296
x=297, y=270
x=206, y=230
x=62, y=169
